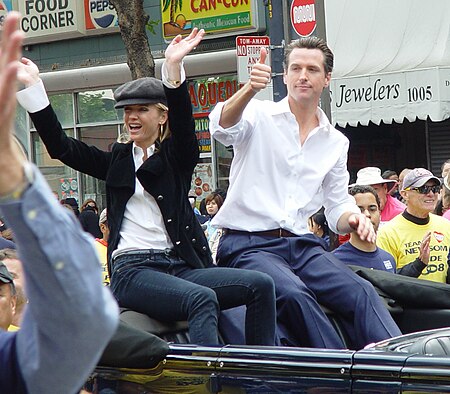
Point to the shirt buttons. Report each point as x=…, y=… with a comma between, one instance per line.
x=204, y=248
x=177, y=242
x=59, y=265
x=160, y=198
x=187, y=227
x=169, y=220
x=194, y=240
x=32, y=214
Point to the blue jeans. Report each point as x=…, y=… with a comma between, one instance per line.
x=166, y=288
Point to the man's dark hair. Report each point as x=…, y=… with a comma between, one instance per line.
x=386, y=174
x=361, y=189
x=311, y=43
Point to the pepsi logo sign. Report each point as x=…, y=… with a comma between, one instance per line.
x=102, y=13
x=3, y=11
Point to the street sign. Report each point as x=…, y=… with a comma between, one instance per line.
x=248, y=50
x=303, y=17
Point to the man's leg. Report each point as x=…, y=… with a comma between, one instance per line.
x=338, y=288
x=300, y=318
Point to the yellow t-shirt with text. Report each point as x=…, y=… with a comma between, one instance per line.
x=402, y=238
x=102, y=249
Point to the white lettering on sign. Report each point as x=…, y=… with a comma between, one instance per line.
x=248, y=50
x=304, y=13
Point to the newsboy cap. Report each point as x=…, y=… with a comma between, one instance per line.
x=145, y=90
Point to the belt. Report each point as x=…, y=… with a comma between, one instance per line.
x=276, y=233
x=152, y=252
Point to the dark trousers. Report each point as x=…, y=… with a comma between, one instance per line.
x=166, y=288
x=306, y=275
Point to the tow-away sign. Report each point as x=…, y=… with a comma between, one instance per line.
x=248, y=50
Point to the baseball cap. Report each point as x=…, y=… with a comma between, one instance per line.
x=5, y=275
x=418, y=177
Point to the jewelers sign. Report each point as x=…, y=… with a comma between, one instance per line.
x=389, y=97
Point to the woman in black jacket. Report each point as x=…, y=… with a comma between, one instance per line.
x=159, y=257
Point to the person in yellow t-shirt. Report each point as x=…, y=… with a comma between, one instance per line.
x=417, y=234
x=102, y=246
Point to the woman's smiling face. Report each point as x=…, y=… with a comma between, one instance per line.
x=143, y=122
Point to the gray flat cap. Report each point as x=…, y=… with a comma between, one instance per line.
x=146, y=90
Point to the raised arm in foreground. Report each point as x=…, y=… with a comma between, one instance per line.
x=71, y=316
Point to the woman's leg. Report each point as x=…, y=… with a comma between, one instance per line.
x=167, y=298
x=235, y=287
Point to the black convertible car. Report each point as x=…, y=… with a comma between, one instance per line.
x=417, y=362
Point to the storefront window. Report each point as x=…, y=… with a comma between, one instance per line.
x=63, y=106
x=21, y=128
x=62, y=179
x=103, y=137
x=212, y=172
x=97, y=106
x=223, y=156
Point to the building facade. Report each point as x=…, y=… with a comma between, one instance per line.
x=379, y=99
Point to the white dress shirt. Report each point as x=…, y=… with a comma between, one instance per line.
x=143, y=225
x=275, y=182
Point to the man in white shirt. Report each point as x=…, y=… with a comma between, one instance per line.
x=289, y=161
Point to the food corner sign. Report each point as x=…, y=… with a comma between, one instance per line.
x=216, y=17
x=303, y=17
x=51, y=20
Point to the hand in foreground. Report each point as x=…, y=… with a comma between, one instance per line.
x=363, y=227
x=424, y=250
x=28, y=72
x=11, y=159
x=260, y=73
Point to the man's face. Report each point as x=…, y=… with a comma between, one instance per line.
x=15, y=269
x=367, y=203
x=305, y=75
x=418, y=204
x=395, y=188
x=7, y=305
x=381, y=190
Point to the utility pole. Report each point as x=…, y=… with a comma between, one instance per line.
x=278, y=32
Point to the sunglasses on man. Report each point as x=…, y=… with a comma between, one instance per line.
x=426, y=189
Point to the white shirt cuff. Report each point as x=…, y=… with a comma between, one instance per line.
x=165, y=78
x=34, y=98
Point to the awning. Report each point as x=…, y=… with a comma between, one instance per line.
x=394, y=96
x=392, y=60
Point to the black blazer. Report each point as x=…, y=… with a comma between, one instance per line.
x=166, y=175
